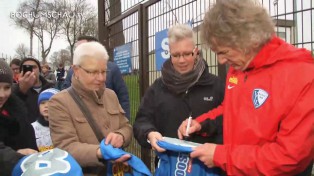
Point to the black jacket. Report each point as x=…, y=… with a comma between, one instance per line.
x=15, y=131
x=31, y=97
x=164, y=111
x=8, y=159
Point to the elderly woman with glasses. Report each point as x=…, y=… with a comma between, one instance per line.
x=186, y=88
x=70, y=129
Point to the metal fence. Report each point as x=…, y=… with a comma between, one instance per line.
x=137, y=22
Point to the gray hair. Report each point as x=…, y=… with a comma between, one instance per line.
x=179, y=32
x=89, y=50
x=241, y=24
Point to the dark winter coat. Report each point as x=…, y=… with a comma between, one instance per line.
x=163, y=111
x=31, y=97
x=15, y=131
x=8, y=159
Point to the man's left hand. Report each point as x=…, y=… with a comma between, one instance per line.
x=205, y=153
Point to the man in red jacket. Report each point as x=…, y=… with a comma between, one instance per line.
x=269, y=97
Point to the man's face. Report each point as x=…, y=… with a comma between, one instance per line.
x=35, y=67
x=15, y=69
x=183, y=54
x=235, y=58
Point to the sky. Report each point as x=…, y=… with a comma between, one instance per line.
x=11, y=36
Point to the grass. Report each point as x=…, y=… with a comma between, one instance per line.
x=132, y=82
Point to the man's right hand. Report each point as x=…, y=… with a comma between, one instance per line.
x=26, y=81
x=194, y=127
x=153, y=137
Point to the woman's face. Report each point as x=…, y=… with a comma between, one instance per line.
x=44, y=69
x=233, y=57
x=183, y=55
x=92, y=73
x=5, y=92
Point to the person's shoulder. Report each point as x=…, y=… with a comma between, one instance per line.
x=109, y=92
x=297, y=68
x=157, y=82
x=16, y=105
x=110, y=95
x=62, y=95
x=157, y=85
x=112, y=66
x=45, y=83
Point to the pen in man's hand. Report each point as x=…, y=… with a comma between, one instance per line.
x=188, y=127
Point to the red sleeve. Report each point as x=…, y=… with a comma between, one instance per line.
x=212, y=114
x=289, y=154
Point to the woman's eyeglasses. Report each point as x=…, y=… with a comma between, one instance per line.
x=94, y=73
x=185, y=55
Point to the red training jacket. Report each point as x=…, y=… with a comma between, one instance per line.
x=268, y=114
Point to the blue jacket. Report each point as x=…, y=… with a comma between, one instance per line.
x=114, y=81
x=110, y=153
x=176, y=161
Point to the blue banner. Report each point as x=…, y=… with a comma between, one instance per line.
x=122, y=57
x=162, y=48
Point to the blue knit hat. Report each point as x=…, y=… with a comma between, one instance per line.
x=47, y=94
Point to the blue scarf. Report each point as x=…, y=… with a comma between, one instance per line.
x=110, y=153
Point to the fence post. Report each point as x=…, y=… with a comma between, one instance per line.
x=143, y=64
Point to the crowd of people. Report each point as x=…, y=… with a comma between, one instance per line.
x=248, y=125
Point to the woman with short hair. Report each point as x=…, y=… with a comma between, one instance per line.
x=70, y=129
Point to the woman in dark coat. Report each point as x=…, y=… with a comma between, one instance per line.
x=186, y=88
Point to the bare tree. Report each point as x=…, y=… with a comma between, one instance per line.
x=62, y=56
x=30, y=10
x=40, y=18
x=48, y=25
x=21, y=51
x=83, y=23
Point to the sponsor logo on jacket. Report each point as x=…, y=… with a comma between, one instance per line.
x=233, y=80
x=182, y=164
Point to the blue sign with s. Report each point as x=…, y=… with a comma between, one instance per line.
x=162, y=48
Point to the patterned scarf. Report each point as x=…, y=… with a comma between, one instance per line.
x=179, y=83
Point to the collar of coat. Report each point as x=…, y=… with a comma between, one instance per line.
x=96, y=96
